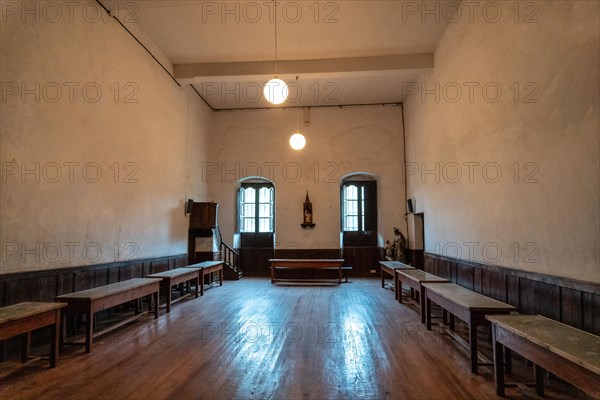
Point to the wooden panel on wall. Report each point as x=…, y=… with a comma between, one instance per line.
x=540, y=298
x=41, y=289
x=46, y=284
x=591, y=314
x=571, y=307
x=513, y=295
x=155, y=267
x=363, y=260
x=254, y=260
x=308, y=253
x=464, y=275
x=573, y=302
x=90, y=278
x=430, y=265
x=493, y=284
x=444, y=270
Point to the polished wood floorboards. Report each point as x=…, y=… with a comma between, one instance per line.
x=252, y=340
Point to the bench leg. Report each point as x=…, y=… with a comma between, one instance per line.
x=155, y=297
x=422, y=304
x=54, y=334
x=498, y=367
x=538, y=373
x=169, y=297
x=89, y=330
x=25, y=346
x=473, y=345
x=508, y=360
x=382, y=279
x=428, y=314
x=221, y=277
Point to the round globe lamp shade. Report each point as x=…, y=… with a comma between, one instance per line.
x=275, y=91
x=297, y=141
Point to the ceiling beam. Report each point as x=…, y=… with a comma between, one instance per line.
x=187, y=73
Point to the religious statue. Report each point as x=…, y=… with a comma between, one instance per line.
x=389, y=251
x=399, y=246
x=308, y=213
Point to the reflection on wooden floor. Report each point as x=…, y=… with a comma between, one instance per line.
x=253, y=340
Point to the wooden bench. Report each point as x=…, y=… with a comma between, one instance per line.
x=90, y=301
x=176, y=276
x=208, y=268
x=389, y=268
x=414, y=278
x=567, y=352
x=469, y=306
x=23, y=318
x=298, y=263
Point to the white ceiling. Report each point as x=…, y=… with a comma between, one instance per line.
x=230, y=32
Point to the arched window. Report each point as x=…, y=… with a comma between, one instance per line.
x=256, y=207
x=359, y=211
x=256, y=213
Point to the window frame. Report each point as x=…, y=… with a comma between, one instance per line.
x=365, y=232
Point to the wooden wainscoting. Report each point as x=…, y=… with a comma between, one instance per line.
x=570, y=301
x=45, y=284
x=363, y=260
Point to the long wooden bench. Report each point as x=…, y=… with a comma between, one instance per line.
x=208, y=268
x=175, y=277
x=23, y=318
x=415, y=278
x=389, y=268
x=311, y=264
x=567, y=352
x=90, y=301
x=469, y=306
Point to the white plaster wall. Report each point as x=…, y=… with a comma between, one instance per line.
x=339, y=141
x=546, y=218
x=157, y=143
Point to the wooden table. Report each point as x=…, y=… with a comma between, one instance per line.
x=291, y=263
x=465, y=304
x=176, y=276
x=389, y=268
x=567, y=352
x=208, y=268
x=90, y=301
x=414, y=278
x=23, y=318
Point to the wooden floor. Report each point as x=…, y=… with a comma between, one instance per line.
x=253, y=340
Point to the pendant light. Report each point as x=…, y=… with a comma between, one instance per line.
x=297, y=140
x=275, y=91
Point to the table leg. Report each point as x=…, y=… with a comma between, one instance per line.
x=89, y=329
x=428, y=313
x=538, y=373
x=201, y=279
x=272, y=274
x=422, y=304
x=25, y=346
x=340, y=275
x=63, y=330
x=498, y=368
x=508, y=360
x=155, y=297
x=452, y=322
x=444, y=316
x=54, y=334
x=398, y=289
x=473, y=345
x=382, y=278
x=197, y=279
x=169, y=296
x=221, y=277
